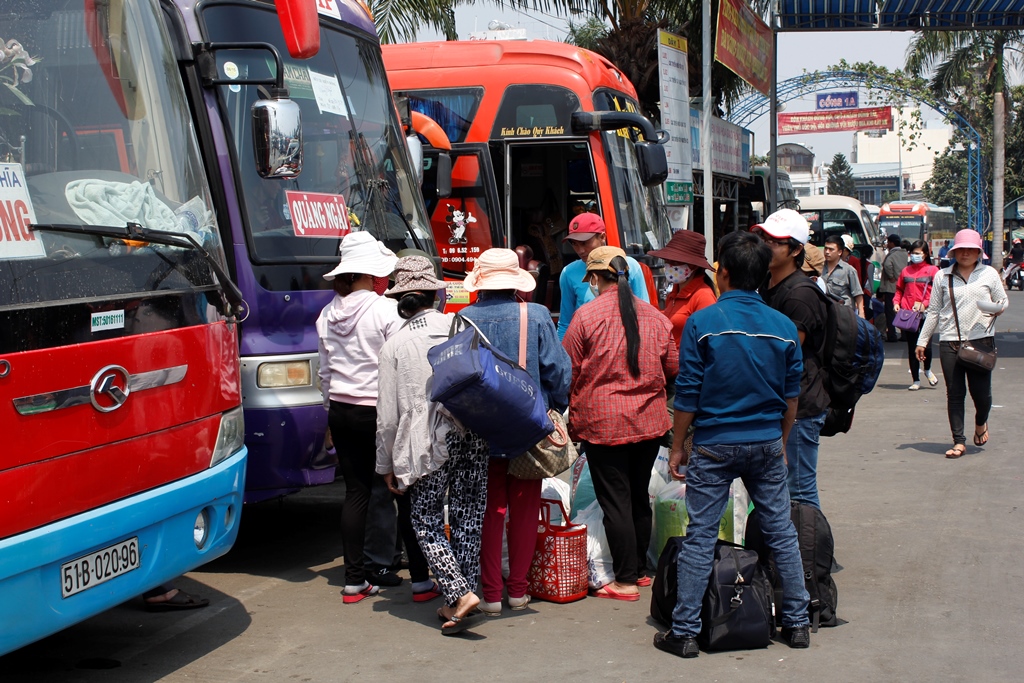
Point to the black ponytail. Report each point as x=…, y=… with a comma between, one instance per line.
x=412, y=303
x=627, y=311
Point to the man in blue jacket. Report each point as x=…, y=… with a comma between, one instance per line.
x=738, y=385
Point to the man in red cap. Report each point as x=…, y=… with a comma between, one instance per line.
x=792, y=293
x=586, y=233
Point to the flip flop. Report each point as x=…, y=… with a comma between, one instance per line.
x=427, y=595
x=980, y=439
x=353, y=598
x=644, y=582
x=459, y=624
x=180, y=601
x=606, y=592
x=956, y=451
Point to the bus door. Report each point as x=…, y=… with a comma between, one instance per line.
x=547, y=183
x=468, y=221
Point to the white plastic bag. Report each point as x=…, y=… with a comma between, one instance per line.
x=670, y=516
x=659, y=474
x=582, y=491
x=599, y=555
x=552, y=488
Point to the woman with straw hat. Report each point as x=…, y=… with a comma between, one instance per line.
x=979, y=298
x=622, y=357
x=352, y=328
x=496, y=277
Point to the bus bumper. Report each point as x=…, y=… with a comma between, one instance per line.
x=282, y=443
x=163, y=519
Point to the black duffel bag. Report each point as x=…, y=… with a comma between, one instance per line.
x=738, y=611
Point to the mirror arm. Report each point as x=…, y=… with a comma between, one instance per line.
x=206, y=60
x=587, y=121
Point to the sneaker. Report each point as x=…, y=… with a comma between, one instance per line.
x=680, y=646
x=490, y=609
x=915, y=386
x=797, y=637
x=519, y=603
x=932, y=379
x=383, y=577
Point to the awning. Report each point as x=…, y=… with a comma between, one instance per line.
x=900, y=15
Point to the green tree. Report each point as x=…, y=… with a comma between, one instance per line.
x=399, y=20
x=968, y=71
x=840, y=177
x=948, y=183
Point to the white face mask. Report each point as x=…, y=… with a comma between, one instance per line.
x=677, y=274
x=917, y=258
x=593, y=287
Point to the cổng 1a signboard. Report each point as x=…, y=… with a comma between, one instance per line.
x=871, y=118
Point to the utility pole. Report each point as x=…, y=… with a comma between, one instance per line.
x=708, y=60
x=998, y=161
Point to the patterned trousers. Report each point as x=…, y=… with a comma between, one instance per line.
x=455, y=563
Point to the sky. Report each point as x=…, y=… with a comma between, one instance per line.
x=798, y=52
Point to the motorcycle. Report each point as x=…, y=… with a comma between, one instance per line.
x=1013, y=276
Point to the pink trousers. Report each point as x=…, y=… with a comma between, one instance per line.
x=521, y=499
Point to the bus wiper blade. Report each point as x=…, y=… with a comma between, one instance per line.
x=135, y=231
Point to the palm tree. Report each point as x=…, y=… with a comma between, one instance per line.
x=966, y=65
x=399, y=20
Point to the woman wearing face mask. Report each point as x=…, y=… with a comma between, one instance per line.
x=692, y=289
x=913, y=290
x=622, y=356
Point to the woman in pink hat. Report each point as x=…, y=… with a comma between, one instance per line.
x=980, y=298
x=496, y=276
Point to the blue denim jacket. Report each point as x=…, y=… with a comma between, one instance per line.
x=497, y=316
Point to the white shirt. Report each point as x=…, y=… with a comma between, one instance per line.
x=983, y=284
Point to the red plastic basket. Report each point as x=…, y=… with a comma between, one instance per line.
x=559, y=569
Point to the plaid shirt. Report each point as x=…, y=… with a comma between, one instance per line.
x=607, y=405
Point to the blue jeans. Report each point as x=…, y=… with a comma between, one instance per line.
x=711, y=471
x=802, y=453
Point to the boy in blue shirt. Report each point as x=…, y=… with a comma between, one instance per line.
x=738, y=384
x=586, y=233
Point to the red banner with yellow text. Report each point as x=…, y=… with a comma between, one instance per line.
x=869, y=118
x=743, y=43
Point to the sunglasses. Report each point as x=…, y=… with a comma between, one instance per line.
x=772, y=241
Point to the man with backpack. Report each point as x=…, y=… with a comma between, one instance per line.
x=792, y=293
x=738, y=385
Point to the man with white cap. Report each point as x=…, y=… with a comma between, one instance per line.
x=792, y=293
x=352, y=329
x=587, y=232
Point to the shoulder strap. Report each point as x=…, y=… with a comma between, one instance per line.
x=952, y=302
x=523, y=315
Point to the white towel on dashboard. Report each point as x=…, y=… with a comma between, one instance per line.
x=108, y=203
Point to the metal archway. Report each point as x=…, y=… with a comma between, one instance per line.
x=755, y=106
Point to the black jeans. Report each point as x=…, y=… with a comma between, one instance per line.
x=354, y=430
x=959, y=378
x=890, y=314
x=621, y=475
x=915, y=365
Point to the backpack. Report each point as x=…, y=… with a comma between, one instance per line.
x=852, y=358
x=817, y=551
x=737, y=612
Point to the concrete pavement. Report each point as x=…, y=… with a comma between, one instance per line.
x=930, y=589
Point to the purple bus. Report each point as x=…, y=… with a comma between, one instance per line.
x=282, y=234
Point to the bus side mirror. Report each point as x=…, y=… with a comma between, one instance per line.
x=300, y=24
x=652, y=163
x=444, y=175
x=277, y=138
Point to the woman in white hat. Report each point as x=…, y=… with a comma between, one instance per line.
x=496, y=276
x=352, y=328
x=979, y=298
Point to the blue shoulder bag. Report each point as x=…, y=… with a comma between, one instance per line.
x=487, y=392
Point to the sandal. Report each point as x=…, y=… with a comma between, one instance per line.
x=179, y=601
x=982, y=438
x=956, y=451
x=458, y=624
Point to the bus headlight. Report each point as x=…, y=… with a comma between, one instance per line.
x=201, y=529
x=287, y=374
x=230, y=436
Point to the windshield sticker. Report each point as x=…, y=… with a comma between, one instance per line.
x=329, y=8
x=456, y=293
x=107, y=320
x=16, y=214
x=327, y=93
x=458, y=221
x=317, y=214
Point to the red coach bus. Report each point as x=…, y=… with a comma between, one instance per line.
x=539, y=131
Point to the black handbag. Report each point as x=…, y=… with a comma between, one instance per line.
x=739, y=607
x=971, y=353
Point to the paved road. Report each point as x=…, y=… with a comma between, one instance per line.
x=930, y=590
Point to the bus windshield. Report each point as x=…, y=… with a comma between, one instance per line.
x=907, y=227
x=95, y=131
x=354, y=151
